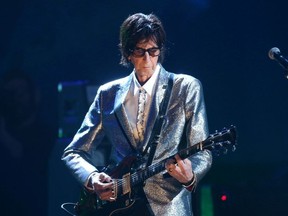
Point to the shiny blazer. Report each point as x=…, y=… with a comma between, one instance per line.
x=185, y=123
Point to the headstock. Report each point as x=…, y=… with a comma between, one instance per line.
x=222, y=141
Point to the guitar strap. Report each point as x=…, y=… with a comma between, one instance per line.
x=155, y=136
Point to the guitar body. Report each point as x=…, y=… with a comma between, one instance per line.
x=91, y=205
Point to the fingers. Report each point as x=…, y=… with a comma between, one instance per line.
x=180, y=169
x=178, y=165
x=102, y=181
x=103, y=186
x=108, y=195
x=184, y=169
x=103, y=177
x=170, y=165
x=182, y=164
x=178, y=160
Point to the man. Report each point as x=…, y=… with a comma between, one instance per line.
x=115, y=115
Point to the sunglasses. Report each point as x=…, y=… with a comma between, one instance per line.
x=140, y=52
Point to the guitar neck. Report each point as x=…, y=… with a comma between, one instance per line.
x=142, y=175
x=218, y=142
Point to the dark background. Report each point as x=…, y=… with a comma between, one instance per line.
x=223, y=43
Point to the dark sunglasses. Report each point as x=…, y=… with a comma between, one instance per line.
x=140, y=52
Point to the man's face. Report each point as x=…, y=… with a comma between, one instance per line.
x=146, y=64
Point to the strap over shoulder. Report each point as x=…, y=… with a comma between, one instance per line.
x=154, y=139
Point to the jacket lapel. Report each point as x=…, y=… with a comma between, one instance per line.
x=120, y=109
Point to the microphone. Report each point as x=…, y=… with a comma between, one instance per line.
x=275, y=54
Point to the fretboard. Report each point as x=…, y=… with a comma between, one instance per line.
x=142, y=175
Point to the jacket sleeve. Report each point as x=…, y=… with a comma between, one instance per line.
x=77, y=155
x=197, y=128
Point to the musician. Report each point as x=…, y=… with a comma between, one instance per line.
x=114, y=115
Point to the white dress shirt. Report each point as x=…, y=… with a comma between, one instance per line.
x=131, y=101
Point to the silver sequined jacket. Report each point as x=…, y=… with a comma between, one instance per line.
x=186, y=119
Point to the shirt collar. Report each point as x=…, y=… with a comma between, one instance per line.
x=148, y=86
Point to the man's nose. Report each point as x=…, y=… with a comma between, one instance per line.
x=146, y=55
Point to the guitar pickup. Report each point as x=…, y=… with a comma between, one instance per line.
x=126, y=187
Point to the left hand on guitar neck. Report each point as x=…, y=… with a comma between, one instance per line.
x=180, y=169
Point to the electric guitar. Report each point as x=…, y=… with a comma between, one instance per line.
x=127, y=178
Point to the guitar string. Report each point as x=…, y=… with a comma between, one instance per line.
x=135, y=176
x=143, y=174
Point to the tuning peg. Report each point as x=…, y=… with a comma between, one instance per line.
x=220, y=145
x=227, y=142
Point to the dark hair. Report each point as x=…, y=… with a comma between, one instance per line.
x=139, y=27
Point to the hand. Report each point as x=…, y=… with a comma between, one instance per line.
x=182, y=170
x=103, y=185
